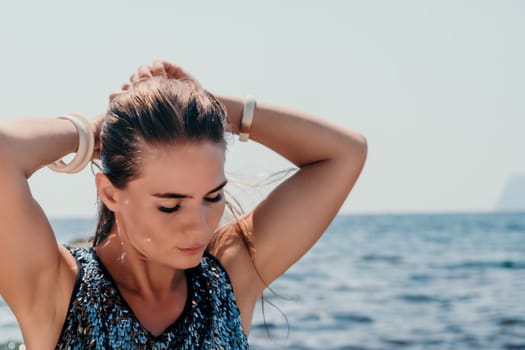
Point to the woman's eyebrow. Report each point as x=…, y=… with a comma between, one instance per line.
x=179, y=195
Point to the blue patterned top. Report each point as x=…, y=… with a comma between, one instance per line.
x=99, y=318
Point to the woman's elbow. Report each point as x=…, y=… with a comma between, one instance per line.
x=356, y=149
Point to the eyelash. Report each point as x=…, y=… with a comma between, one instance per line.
x=215, y=199
x=169, y=210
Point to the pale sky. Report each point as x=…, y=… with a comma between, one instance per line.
x=437, y=87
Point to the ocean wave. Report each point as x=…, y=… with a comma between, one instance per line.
x=392, y=259
x=502, y=264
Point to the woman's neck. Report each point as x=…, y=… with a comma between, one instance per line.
x=135, y=274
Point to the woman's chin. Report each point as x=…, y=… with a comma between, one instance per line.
x=187, y=262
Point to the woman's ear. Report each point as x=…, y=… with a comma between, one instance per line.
x=106, y=192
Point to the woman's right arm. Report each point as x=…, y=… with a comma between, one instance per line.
x=35, y=273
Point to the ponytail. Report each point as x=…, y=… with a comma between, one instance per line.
x=106, y=219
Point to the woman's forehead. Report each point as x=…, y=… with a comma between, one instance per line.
x=182, y=152
x=194, y=166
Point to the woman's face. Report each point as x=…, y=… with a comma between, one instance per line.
x=169, y=214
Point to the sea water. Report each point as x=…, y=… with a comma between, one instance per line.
x=388, y=282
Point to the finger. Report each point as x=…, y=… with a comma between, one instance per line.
x=144, y=72
x=113, y=95
x=157, y=69
x=133, y=78
x=158, y=61
x=173, y=71
x=125, y=86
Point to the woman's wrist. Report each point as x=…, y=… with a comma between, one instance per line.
x=248, y=112
x=67, y=134
x=234, y=107
x=86, y=145
x=32, y=143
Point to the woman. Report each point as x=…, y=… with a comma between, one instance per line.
x=162, y=274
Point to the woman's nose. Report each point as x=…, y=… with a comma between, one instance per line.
x=197, y=224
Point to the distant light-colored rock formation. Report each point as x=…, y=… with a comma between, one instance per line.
x=513, y=195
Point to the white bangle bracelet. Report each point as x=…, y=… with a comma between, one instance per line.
x=247, y=118
x=86, y=145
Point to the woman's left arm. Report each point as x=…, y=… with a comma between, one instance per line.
x=286, y=224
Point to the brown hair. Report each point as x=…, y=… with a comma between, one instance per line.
x=161, y=112
x=157, y=112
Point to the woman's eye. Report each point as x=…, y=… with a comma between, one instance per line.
x=215, y=199
x=169, y=209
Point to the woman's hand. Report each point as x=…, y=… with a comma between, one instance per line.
x=164, y=69
x=159, y=68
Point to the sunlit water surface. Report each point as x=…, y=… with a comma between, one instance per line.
x=389, y=282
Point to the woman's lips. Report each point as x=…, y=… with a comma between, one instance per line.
x=194, y=249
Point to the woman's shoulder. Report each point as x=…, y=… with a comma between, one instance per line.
x=84, y=256
x=79, y=252
x=232, y=248
x=92, y=274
